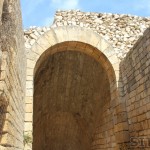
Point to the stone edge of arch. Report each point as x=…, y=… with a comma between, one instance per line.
x=55, y=36
x=61, y=34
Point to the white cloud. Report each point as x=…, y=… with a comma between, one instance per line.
x=65, y=4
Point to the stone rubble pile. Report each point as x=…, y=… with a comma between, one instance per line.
x=32, y=34
x=122, y=31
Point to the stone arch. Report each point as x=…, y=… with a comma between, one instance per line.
x=74, y=39
x=75, y=34
x=100, y=48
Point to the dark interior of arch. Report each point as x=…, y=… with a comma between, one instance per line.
x=3, y=111
x=71, y=90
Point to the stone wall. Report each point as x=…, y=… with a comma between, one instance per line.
x=120, y=120
x=135, y=74
x=121, y=30
x=12, y=77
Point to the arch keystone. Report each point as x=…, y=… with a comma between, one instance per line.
x=43, y=42
x=51, y=37
x=61, y=34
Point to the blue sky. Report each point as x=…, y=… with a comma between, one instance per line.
x=41, y=12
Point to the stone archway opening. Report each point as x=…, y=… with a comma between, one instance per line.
x=71, y=103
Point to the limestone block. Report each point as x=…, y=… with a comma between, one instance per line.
x=30, y=63
x=36, y=48
x=28, y=117
x=29, y=72
x=73, y=33
x=28, y=126
x=29, y=78
x=32, y=55
x=29, y=99
x=51, y=37
x=29, y=84
x=61, y=34
x=29, y=108
x=29, y=92
x=113, y=59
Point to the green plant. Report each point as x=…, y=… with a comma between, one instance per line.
x=27, y=139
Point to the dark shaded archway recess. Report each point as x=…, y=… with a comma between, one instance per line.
x=71, y=109
x=3, y=111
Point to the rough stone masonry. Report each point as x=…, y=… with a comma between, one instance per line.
x=122, y=31
x=82, y=83
x=12, y=76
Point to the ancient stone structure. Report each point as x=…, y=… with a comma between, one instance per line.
x=122, y=31
x=65, y=35
x=12, y=77
x=82, y=83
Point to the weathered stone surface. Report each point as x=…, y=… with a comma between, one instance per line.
x=13, y=72
x=70, y=92
x=77, y=40
x=122, y=31
x=135, y=71
x=77, y=101
x=1, y=10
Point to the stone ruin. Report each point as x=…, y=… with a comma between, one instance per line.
x=80, y=84
x=121, y=31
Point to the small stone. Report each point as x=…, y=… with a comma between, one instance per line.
x=33, y=36
x=27, y=45
x=32, y=41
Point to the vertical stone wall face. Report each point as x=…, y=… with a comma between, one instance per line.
x=135, y=72
x=12, y=76
x=105, y=134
